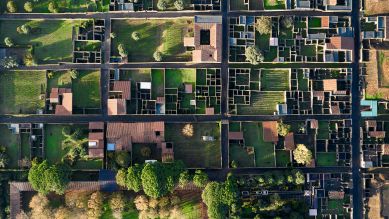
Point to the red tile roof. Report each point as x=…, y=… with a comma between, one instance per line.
x=325, y=21
x=117, y=106
x=330, y=85
x=289, y=142
x=340, y=43
x=124, y=87
x=270, y=133
x=96, y=125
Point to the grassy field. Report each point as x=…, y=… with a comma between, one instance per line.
x=86, y=89
x=282, y=158
x=10, y=141
x=262, y=103
x=158, y=83
x=60, y=79
x=20, y=90
x=193, y=151
x=52, y=39
x=326, y=159
x=264, y=151
x=275, y=80
x=41, y=6
x=53, y=143
x=176, y=77
x=165, y=36
x=239, y=155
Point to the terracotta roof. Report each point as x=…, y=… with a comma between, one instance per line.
x=289, y=142
x=332, y=2
x=318, y=93
x=325, y=21
x=188, y=88
x=377, y=134
x=124, y=87
x=211, y=52
x=314, y=124
x=66, y=108
x=386, y=149
x=117, y=107
x=209, y=111
x=340, y=43
x=235, y=136
x=96, y=125
x=335, y=194
x=270, y=133
x=124, y=134
x=330, y=85
x=335, y=110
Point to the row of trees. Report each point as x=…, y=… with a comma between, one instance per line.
x=29, y=7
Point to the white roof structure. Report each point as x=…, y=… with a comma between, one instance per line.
x=145, y=85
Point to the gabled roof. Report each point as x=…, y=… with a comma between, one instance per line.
x=96, y=125
x=289, y=141
x=270, y=133
x=124, y=87
x=340, y=43
x=117, y=107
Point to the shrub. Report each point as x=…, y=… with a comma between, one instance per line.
x=157, y=56
x=8, y=42
x=122, y=51
x=145, y=151
x=287, y=21
x=200, y=179
x=162, y=5
x=9, y=62
x=188, y=131
x=179, y=4
x=28, y=7
x=24, y=29
x=302, y=155
x=11, y=7
x=135, y=35
x=53, y=7
x=283, y=129
x=29, y=60
x=113, y=35
x=123, y=159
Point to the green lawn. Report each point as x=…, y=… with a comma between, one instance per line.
x=86, y=89
x=193, y=151
x=52, y=39
x=20, y=91
x=41, y=6
x=11, y=142
x=53, y=143
x=323, y=131
x=275, y=80
x=282, y=158
x=59, y=79
x=326, y=159
x=264, y=151
x=308, y=50
x=165, y=36
x=234, y=127
x=262, y=103
x=239, y=155
x=274, y=4
x=176, y=77
x=158, y=83
x=302, y=82
x=314, y=22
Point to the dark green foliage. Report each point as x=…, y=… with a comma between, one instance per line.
x=200, y=178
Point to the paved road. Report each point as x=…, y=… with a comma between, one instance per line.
x=356, y=116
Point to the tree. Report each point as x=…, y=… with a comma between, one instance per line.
x=28, y=7
x=179, y=4
x=157, y=56
x=113, y=35
x=162, y=5
x=4, y=160
x=135, y=35
x=123, y=159
x=153, y=180
x=141, y=202
x=145, y=151
x=299, y=178
x=234, y=164
x=8, y=42
x=53, y=7
x=95, y=205
x=62, y=213
x=46, y=178
x=287, y=21
x=24, y=29
x=117, y=202
x=213, y=197
x=184, y=179
x=188, y=131
x=40, y=207
x=134, y=178
x=9, y=62
x=283, y=129
x=263, y=25
x=122, y=50
x=253, y=55
x=121, y=177
x=200, y=179
x=302, y=155
x=29, y=60
x=11, y=7
x=73, y=73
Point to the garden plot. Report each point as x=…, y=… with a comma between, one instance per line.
x=165, y=36
x=22, y=92
x=48, y=41
x=201, y=149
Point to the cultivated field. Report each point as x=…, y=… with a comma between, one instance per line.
x=262, y=103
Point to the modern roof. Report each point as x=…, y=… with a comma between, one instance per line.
x=124, y=87
x=209, y=111
x=330, y=85
x=117, y=106
x=289, y=142
x=270, y=133
x=96, y=125
x=377, y=134
x=325, y=21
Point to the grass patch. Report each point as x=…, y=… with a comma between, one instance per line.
x=302, y=82
x=314, y=22
x=234, y=127
x=282, y=158
x=11, y=143
x=60, y=79
x=275, y=80
x=326, y=159
x=264, y=151
x=323, y=132
x=176, y=77
x=157, y=83
x=274, y=4
x=86, y=90
x=193, y=151
x=308, y=50
x=52, y=39
x=20, y=91
x=240, y=155
x=165, y=36
x=262, y=103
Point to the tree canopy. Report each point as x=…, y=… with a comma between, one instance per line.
x=282, y=128
x=263, y=25
x=46, y=178
x=302, y=155
x=253, y=55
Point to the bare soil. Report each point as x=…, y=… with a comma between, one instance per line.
x=374, y=7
